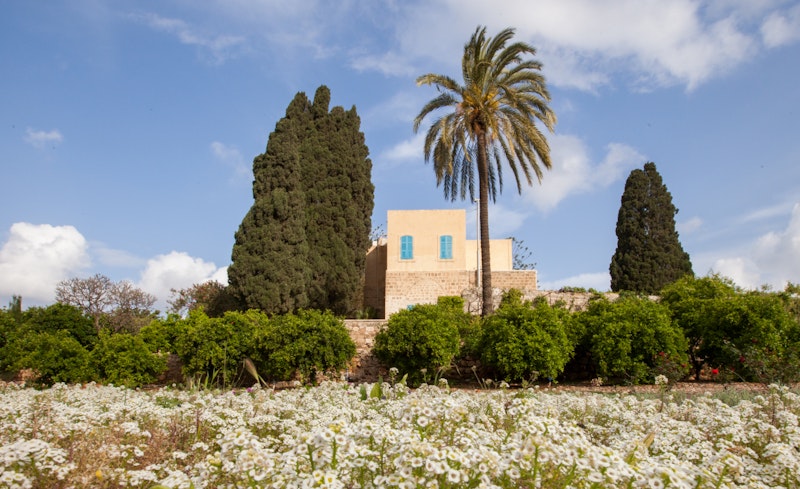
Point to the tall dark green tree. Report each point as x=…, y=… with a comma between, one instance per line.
x=339, y=203
x=303, y=244
x=270, y=269
x=649, y=254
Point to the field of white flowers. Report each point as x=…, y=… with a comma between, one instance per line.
x=342, y=436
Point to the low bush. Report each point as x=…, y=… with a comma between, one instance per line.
x=307, y=343
x=161, y=334
x=212, y=349
x=524, y=340
x=125, y=359
x=424, y=339
x=746, y=335
x=626, y=339
x=51, y=356
x=61, y=317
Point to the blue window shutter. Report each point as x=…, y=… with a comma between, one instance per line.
x=406, y=247
x=445, y=247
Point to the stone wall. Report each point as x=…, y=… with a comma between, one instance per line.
x=404, y=289
x=364, y=367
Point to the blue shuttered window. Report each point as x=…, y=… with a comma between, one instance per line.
x=406, y=247
x=445, y=247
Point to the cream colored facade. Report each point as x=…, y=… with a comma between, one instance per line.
x=425, y=255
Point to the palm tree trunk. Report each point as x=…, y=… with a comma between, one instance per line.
x=483, y=203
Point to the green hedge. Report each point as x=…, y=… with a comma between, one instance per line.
x=523, y=341
x=424, y=339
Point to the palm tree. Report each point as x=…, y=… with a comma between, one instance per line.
x=492, y=118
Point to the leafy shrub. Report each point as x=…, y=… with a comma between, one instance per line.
x=52, y=356
x=307, y=343
x=125, y=359
x=690, y=300
x=424, y=337
x=61, y=317
x=213, y=349
x=161, y=334
x=727, y=327
x=747, y=333
x=524, y=340
x=626, y=337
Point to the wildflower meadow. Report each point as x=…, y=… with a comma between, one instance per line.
x=339, y=435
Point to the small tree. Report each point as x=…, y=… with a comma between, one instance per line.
x=121, y=304
x=425, y=337
x=525, y=340
x=212, y=296
x=740, y=332
x=649, y=254
x=92, y=295
x=627, y=338
x=308, y=343
x=521, y=255
x=212, y=349
x=125, y=359
x=132, y=307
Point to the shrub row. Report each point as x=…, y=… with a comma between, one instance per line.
x=59, y=344
x=699, y=325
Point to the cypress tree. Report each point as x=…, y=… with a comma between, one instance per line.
x=269, y=269
x=649, y=254
x=339, y=200
x=303, y=244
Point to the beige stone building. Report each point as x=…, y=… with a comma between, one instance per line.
x=425, y=255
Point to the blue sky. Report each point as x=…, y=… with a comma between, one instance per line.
x=128, y=129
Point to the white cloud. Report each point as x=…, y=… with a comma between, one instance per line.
x=220, y=47
x=574, y=173
x=600, y=281
x=232, y=157
x=773, y=259
x=766, y=213
x=389, y=63
x=407, y=150
x=111, y=257
x=177, y=270
x=743, y=271
x=781, y=28
x=689, y=226
x=40, y=139
x=583, y=42
x=36, y=257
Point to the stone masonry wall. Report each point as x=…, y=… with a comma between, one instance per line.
x=404, y=289
x=364, y=367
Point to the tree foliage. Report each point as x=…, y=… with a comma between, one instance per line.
x=491, y=118
x=212, y=296
x=524, y=340
x=304, y=240
x=626, y=338
x=306, y=344
x=649, y=254
x=125, y=359
x=425, y=337
x=727, y=327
